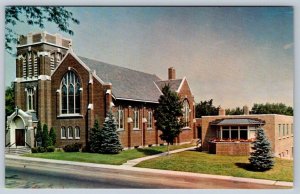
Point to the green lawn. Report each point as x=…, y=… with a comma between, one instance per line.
x=116, y=159
x=200, y=162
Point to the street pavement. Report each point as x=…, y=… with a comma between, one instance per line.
x=67, y=174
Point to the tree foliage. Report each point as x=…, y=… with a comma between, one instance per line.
x=35, y=16
x=46, y=141
x=167, y=115
x=9, y=100
x=206, y=108
x=95, y=138
x=52, y=136
x=261, y=158
x=272, y=108
x=235, y=111
x=110, y=143
x=39, y=134
x=105, y=140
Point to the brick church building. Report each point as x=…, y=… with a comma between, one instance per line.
x=68, y=92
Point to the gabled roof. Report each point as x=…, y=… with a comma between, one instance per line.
x=173, y=83
x=237, y=121
x=127, y=84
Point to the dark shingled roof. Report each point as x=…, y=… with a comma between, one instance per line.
x=174, y=84
x=126, y=83
x=237, y=121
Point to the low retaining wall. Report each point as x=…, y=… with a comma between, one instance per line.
x=230, y=148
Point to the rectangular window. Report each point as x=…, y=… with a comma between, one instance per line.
x=225, y=134
x=234, y=134
x=279, y=130
x=244, y=134
x=70, y=133
x=149, y=121
x=63, y=133
x=77, y=133
x=120, y=118
x=283, y=130
x=136, y=119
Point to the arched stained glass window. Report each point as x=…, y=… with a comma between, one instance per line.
x=70, y=94
x=186, y=113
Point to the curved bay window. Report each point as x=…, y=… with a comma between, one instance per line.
x=186, y=113
x=70, y=94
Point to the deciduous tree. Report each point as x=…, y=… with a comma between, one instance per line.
x=35, y=16
x=167, y=115
x=206, y=108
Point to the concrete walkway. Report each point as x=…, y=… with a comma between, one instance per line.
x=138, y=160
x=146, y=170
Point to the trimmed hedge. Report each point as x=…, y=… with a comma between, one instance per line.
x=42, y=149
x=50, y=149
x=75, y=147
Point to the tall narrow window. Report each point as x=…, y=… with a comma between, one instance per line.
x=70, y=133
x=186, y=113
x=135, y=118
x=25, y=67
x=30, y=99
x=35, y=66
x=149, y=120
x=63, y=133
x=77, y=133
x=52, y=62
x=70, y=94
x=283, y=130
x=279, y=130
x=29, y=65
x=120, y=118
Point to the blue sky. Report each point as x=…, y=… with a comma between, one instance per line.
x=234, y=55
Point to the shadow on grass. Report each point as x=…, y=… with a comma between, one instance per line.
x=248, y=167
x=148, y=151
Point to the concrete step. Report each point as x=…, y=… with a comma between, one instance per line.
x=17, y=151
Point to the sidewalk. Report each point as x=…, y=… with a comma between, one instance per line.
x=146, y=170
x=134, y=162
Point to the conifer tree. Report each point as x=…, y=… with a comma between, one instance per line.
x=46, y=141
x=110, y=143
x=39, y=134
x=95, y=138
x=167, y=115
x=52, y=136
x=261, y=158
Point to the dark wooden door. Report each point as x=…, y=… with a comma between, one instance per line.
x=20, y=137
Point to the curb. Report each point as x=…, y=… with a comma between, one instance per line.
x=170, y=172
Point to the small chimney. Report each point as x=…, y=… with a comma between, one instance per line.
x=222, y=112
x=246, y=110
x=172, y=74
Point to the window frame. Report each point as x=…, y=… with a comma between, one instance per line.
x=120, y=119
x=186, y=113
x=150, y=120
x=70, y=87
x=77, y=129
x=30, y=99
x=61, y=133
x=68, y=132
x=136, y=118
